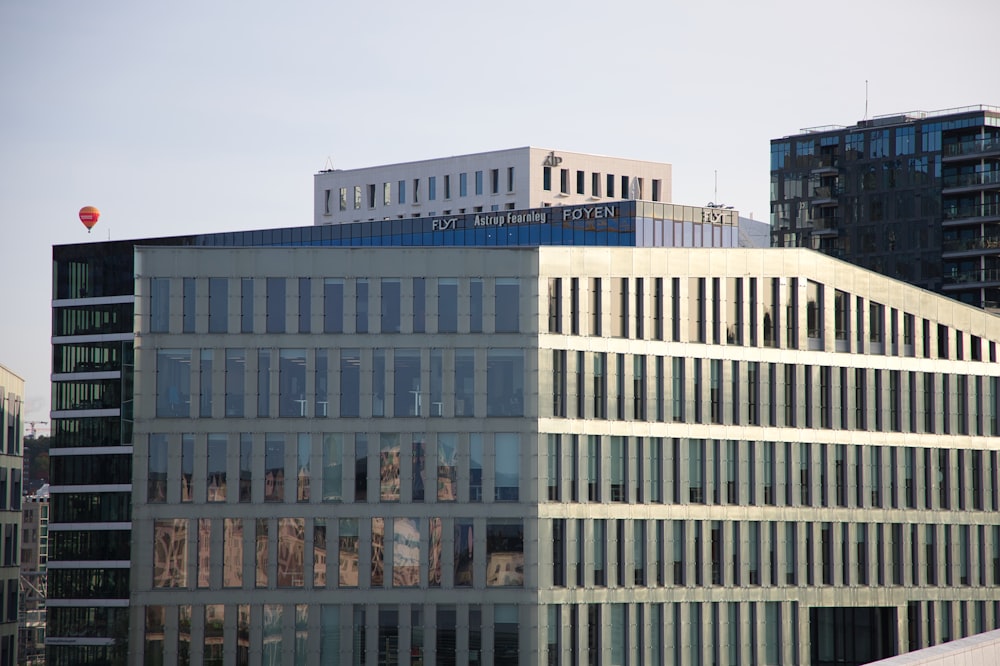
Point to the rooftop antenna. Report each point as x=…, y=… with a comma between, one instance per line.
x=866, y=99
x=329, y=164
x=716, y=197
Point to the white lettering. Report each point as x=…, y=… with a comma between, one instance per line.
x=589, y=212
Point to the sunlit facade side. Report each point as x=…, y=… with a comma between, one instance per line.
x=571, y=455
x=915, y=196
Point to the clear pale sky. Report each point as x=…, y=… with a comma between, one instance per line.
x=187, y=117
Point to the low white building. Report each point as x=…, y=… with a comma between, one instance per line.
x=513, y=179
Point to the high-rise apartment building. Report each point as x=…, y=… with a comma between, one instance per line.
x=915, y=196
x=11, y=431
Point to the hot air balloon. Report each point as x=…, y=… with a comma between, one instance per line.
x=89, y=216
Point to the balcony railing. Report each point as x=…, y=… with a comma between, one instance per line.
x=829, y=222
x=978, y=275
x=972, y=147
x=971, y=179
x=974, y=210
x=983, y=243
x=827, y=191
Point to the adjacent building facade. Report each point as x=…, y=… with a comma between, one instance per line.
x=501, y=180
x=11, y=431
x=34, y=560
x=915, y=196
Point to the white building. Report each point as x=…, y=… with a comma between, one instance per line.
x=513, y=179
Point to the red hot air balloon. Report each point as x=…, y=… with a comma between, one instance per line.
x=89, y=216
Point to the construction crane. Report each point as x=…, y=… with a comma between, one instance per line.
x=33, y=424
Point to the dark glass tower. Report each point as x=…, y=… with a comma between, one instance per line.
x=914, y=196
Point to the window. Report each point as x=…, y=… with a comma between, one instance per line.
x=547, y=179
x=432, y=188
x=386, y=194
x=159, y=305
x=390, y=305
x=447, y=187
x=218, y=305
x=564, y=181
x=507, y=302
x=333, y=305
x=479, y=183
x=610, y=189
x=188, y=305
x=581, y=180
x=343, y=198
x=357, y=197
x=371, y=195
x=505, y=382
x=507, y=447
x=494, y=181
x=657, y=189
x=361, y=306
x=275, y=305
x=463, y=184
x=401, y=192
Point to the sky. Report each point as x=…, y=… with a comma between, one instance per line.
x=188, y=117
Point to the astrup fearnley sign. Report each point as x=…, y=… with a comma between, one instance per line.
x=514, y=218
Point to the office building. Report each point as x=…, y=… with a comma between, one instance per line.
x=11, y=431
x=501, y=180
x=94, y=372
x=556, y=455
x=915, y=196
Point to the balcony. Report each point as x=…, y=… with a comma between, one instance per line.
x=971, y=278
x=973, y=245
x=970, y=213
x=826, y=226
x=960, y=182
x=826, y=195
x=826, y=164
x=973, y=148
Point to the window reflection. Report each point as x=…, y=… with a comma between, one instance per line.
x=447, y=468
x=319, y=553
x=405, y=553
x=216, y=467
x=204, y=551
x=274, y=468
x=476, y=467
x=156, y=484
x=187, y=467
x=232, y=551
x=348, y=553
x=463, y=553
x=378, y=548
x=303, y=468
x=170, y=553
x=246, y=466
x=215, y=621
x=389, y=472
x=261, y=549
x=273, y=629
x=434, y=552
x=504, y=553
x=417, y=471
x=333, y=450
x=291, y=552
